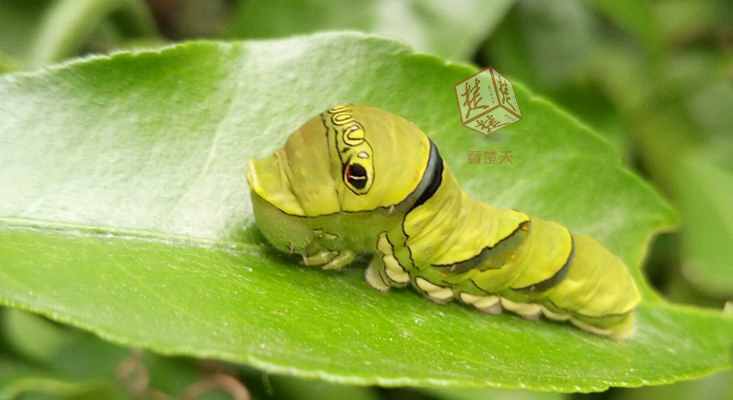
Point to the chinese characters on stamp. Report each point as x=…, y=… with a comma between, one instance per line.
x=490, y=157
x=486, y=102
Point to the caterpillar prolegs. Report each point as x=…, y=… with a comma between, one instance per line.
x=359, y=180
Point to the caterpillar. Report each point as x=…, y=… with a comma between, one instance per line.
x=357, y=180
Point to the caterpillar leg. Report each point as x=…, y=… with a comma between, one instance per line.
x=344, y=258
x=553, y=315
x=525, y=310
x=486, y=304
x=320, y=258
x=328, y=259
x=381, y=275
x=384, y=270
x=438, y=294
x=394, y=272
x=373, y=274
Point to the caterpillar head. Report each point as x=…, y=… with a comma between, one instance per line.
x=349, y=158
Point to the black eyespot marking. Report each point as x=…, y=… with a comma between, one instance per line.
x=356, y=174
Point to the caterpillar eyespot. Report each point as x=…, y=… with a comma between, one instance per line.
x=359, y=180
x=356, y=175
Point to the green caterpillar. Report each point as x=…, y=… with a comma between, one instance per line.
x=359, y=180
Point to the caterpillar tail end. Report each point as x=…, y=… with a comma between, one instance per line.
x=624, y=329
x=621, y=330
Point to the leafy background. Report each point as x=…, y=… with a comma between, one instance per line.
x=654, y=79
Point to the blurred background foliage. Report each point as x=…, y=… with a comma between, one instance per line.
x=654, y=77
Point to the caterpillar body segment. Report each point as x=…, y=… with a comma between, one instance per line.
x=358, y=180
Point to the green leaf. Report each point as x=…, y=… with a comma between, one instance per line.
x=450, y=29
x=68, y=25
x=129, y=216
x=68, y=363
x=705, y=194
x=19, y=22
x=37, y=32
x=36, y=339
x=680, y=21
x=635, y=17
x=16, y=382
x=548, y=43
x=36, y=346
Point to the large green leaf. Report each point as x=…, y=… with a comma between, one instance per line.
x=451, y=29
x=125, y=212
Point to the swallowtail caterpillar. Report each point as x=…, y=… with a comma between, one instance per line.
x=359, y=180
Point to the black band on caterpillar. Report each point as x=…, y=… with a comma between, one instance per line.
x=486, y=252
x=432, y=178
x=554, y=279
